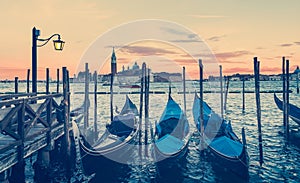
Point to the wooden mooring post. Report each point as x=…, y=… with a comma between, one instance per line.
x=47, y=81
x=243, y=95
x=221, y=93
x=112, y=94
x=86, y=97
x=68, y=86
x=28, y=80
x=16, y=85
x=184, y=90
x=57, y=81
x=141, y=109
x=258, y=108
x=148, y=98
x=297, y=80
x=66, y=118
x=201, y=120
x=244, y=137
x=146, y=109
x=287, y=100
x=95, y=106
x=43, y=158
x=226, y=92
x=283, y=91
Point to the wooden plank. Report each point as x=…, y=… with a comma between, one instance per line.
x=7, y=161
x=21, y=126
x=10, y=146
x=54, y=103
x=11, y=96
x=38, y=118
x=12, y=134
x=8, y=117
x=3, y=114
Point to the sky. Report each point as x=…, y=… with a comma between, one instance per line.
x=234, y=30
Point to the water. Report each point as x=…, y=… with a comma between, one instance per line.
x=281, y=157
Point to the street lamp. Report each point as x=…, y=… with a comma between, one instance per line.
x=58, y=45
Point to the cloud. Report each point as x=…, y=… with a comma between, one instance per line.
x=185, y=36
x=227, y=55
x=191, y=36
x=216, y=38
x=145, y=51
x=123, y=60
x=297, y=43
x=113, y=46
x=179, y=32
x=186, y=61
x=271, y=69
x=238, y=70
x=267, y=58
x=186, y=41
x=250, y=70
x=286, y=45
x=230, y=62
x=207, y=16
x=224, y=57
x=174, y=31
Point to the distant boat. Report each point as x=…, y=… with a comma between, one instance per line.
x=294, y=112
x=129, y=86
x=221, y=140
x=171, y=133
x=106, y=83
x=118, y=135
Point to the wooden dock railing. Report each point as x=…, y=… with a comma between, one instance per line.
x=27, y=125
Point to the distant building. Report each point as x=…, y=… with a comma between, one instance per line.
x=295, y=74
x=133, y=74
x=167, y=77
x=213, y=78
x=263, y=77
x=234, y=77
x=275, y=77
x=81, y=77
x=130, y=75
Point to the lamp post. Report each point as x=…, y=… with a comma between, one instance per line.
x=58, y=45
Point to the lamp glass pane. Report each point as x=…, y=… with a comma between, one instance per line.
x=58, y=45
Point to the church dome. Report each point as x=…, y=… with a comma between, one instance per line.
x=135, y=66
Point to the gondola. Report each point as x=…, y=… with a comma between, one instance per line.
x=220, y=139
x=118, y=136
x=171, y=133
x=294, y=112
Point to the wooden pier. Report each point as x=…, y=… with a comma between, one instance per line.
x=31, y=124
x=28, y=124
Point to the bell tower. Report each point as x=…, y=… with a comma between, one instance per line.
x=113, y=65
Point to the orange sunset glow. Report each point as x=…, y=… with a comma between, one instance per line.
x=235, y=31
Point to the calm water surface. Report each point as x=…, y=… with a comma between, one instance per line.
x=281, y=157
